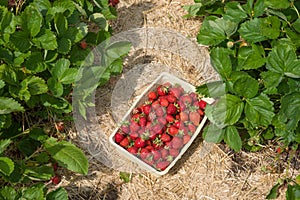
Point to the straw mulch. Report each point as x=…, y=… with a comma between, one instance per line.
x=206, y=171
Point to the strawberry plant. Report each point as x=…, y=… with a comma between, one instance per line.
x=42, y=45
x=254, y=47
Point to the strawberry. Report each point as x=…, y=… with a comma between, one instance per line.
x=165, y=137
x=55, y=179
x=162, y=165
x=142, y=121
x=134, y=126
x=152, y=95
x=171, y=98
x=195, y=117
x=137, y=111
x=182, y=106
x=175, y=91
x=119, y=137
x=186, y=99
x=144, y=153
x=55, y=166
x=156, y=154
x=162, y=120
x=83, y=44
x=172, y=130
x=163, y=102
x=133, y=150
x=133, y=135
x=162, y=90
x=157, y=143
x=125, y=142
x=159, y=112
x=183, y=116
x=192, y=128
x=173, y=152
x=164, y=153
x=177, y=143
x=178, y=124
x=152, y=135
x=146, y=109
x=170, y=118
x=59, y=126
x=171, y=109
x=186, y=138
x=113, y=3
x=201, y=112
x=194, y=96
x=139, y=143
x=157, y=128
x=125, y=128
x=202, y=104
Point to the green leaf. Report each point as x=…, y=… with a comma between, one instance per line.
x=36, y=85
x=259, y=111
x=6, y=166
x=35, y=63
x=67, y=155
x=283, y=60
x=293, y=192
x=212, y=89
x=115, y=51
x=20, y=40
x=2, y=84
x=54, y=102
x=38, y=134
x=234, y=12
x=64, y=45
x=271, y=79
x=247, y=92
x=260, y=29
x=28, y=146
x=42, y=5
x=296, y=25
x=259, y=8
x=58, y=194
x=35, y=192
x=293, y=36
x=7, y=22
x=64, y=6
x=60, y=23
x=76, y=34
x=273, y=192
x=220, y=58
x=99, y=19
x=278, y=4
x=39, y=173
x=6, y=55
x=232, y=138
x=60, y=67
x=46, y=41
x=31, y=20
x=227, y=111
x=251, y=57
x=4, y=144
x=126, y=177
x=290, y=107
x=68, y=76
x=215, y=30
x=8, y=193
x=294, y=85
x=213, y=134
x=5, y=121
x=55, y=87
x=192, y=9
x=9, y=105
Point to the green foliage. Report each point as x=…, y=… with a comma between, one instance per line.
x=41, y=52
x=254, y=46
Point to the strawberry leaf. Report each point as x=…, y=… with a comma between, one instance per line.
x=277, y=4
x=58, y=194
x=6, y=166
x=273, y=192
x=248, y=92
x=220, y=58
x=232, y=138
x=290, y=108
x=234, y=12
x=251, y=57
x=8, y=193
x=9, y=105
x=4, y=144
x=47, y=40
x=31, y=20
x=213, y=133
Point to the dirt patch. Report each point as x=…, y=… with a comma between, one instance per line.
x=206, y=171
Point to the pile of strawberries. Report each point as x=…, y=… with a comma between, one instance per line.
x=159, y=128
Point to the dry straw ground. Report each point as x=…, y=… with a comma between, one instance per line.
x=217, y=174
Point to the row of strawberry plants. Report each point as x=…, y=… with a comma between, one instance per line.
x=42, y=46
x=254, y=47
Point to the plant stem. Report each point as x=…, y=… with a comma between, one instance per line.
x=296, y=10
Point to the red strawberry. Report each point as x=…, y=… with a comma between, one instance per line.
x=182, y=106
x=119, y=137
x=195, y=117
x=187, y=99
x=59, y=126
x=192, y=128
x=178, y=124
x=157, y=143
x=194, y=96
x=157, y=128
x=175, y=91
x=165, y=137
x=202, y=104
x=152, y=135
x=164, y=153
x=113, y=3
x=152, y=95
x=125, y=142
x=163, y=102
x=55, y=166
x=144, y=153
x=201, y=112
x=139, y=143
x=83, y=44
x=186, y=139
x=177, y=143
x=162, y=165
x=133, y=135
x=136, y=112
x=183, y=116
x=173, y=152
x=159, y=112
x=142, y=121
x=146, y=109
x=134, y=126
x=162, y=90
x=173, y=130
x=171, y=98
x=125, y=128
x=170, y=118
x=133, y=150
x=55, y=179
x=156, y=154
x=171, y=109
